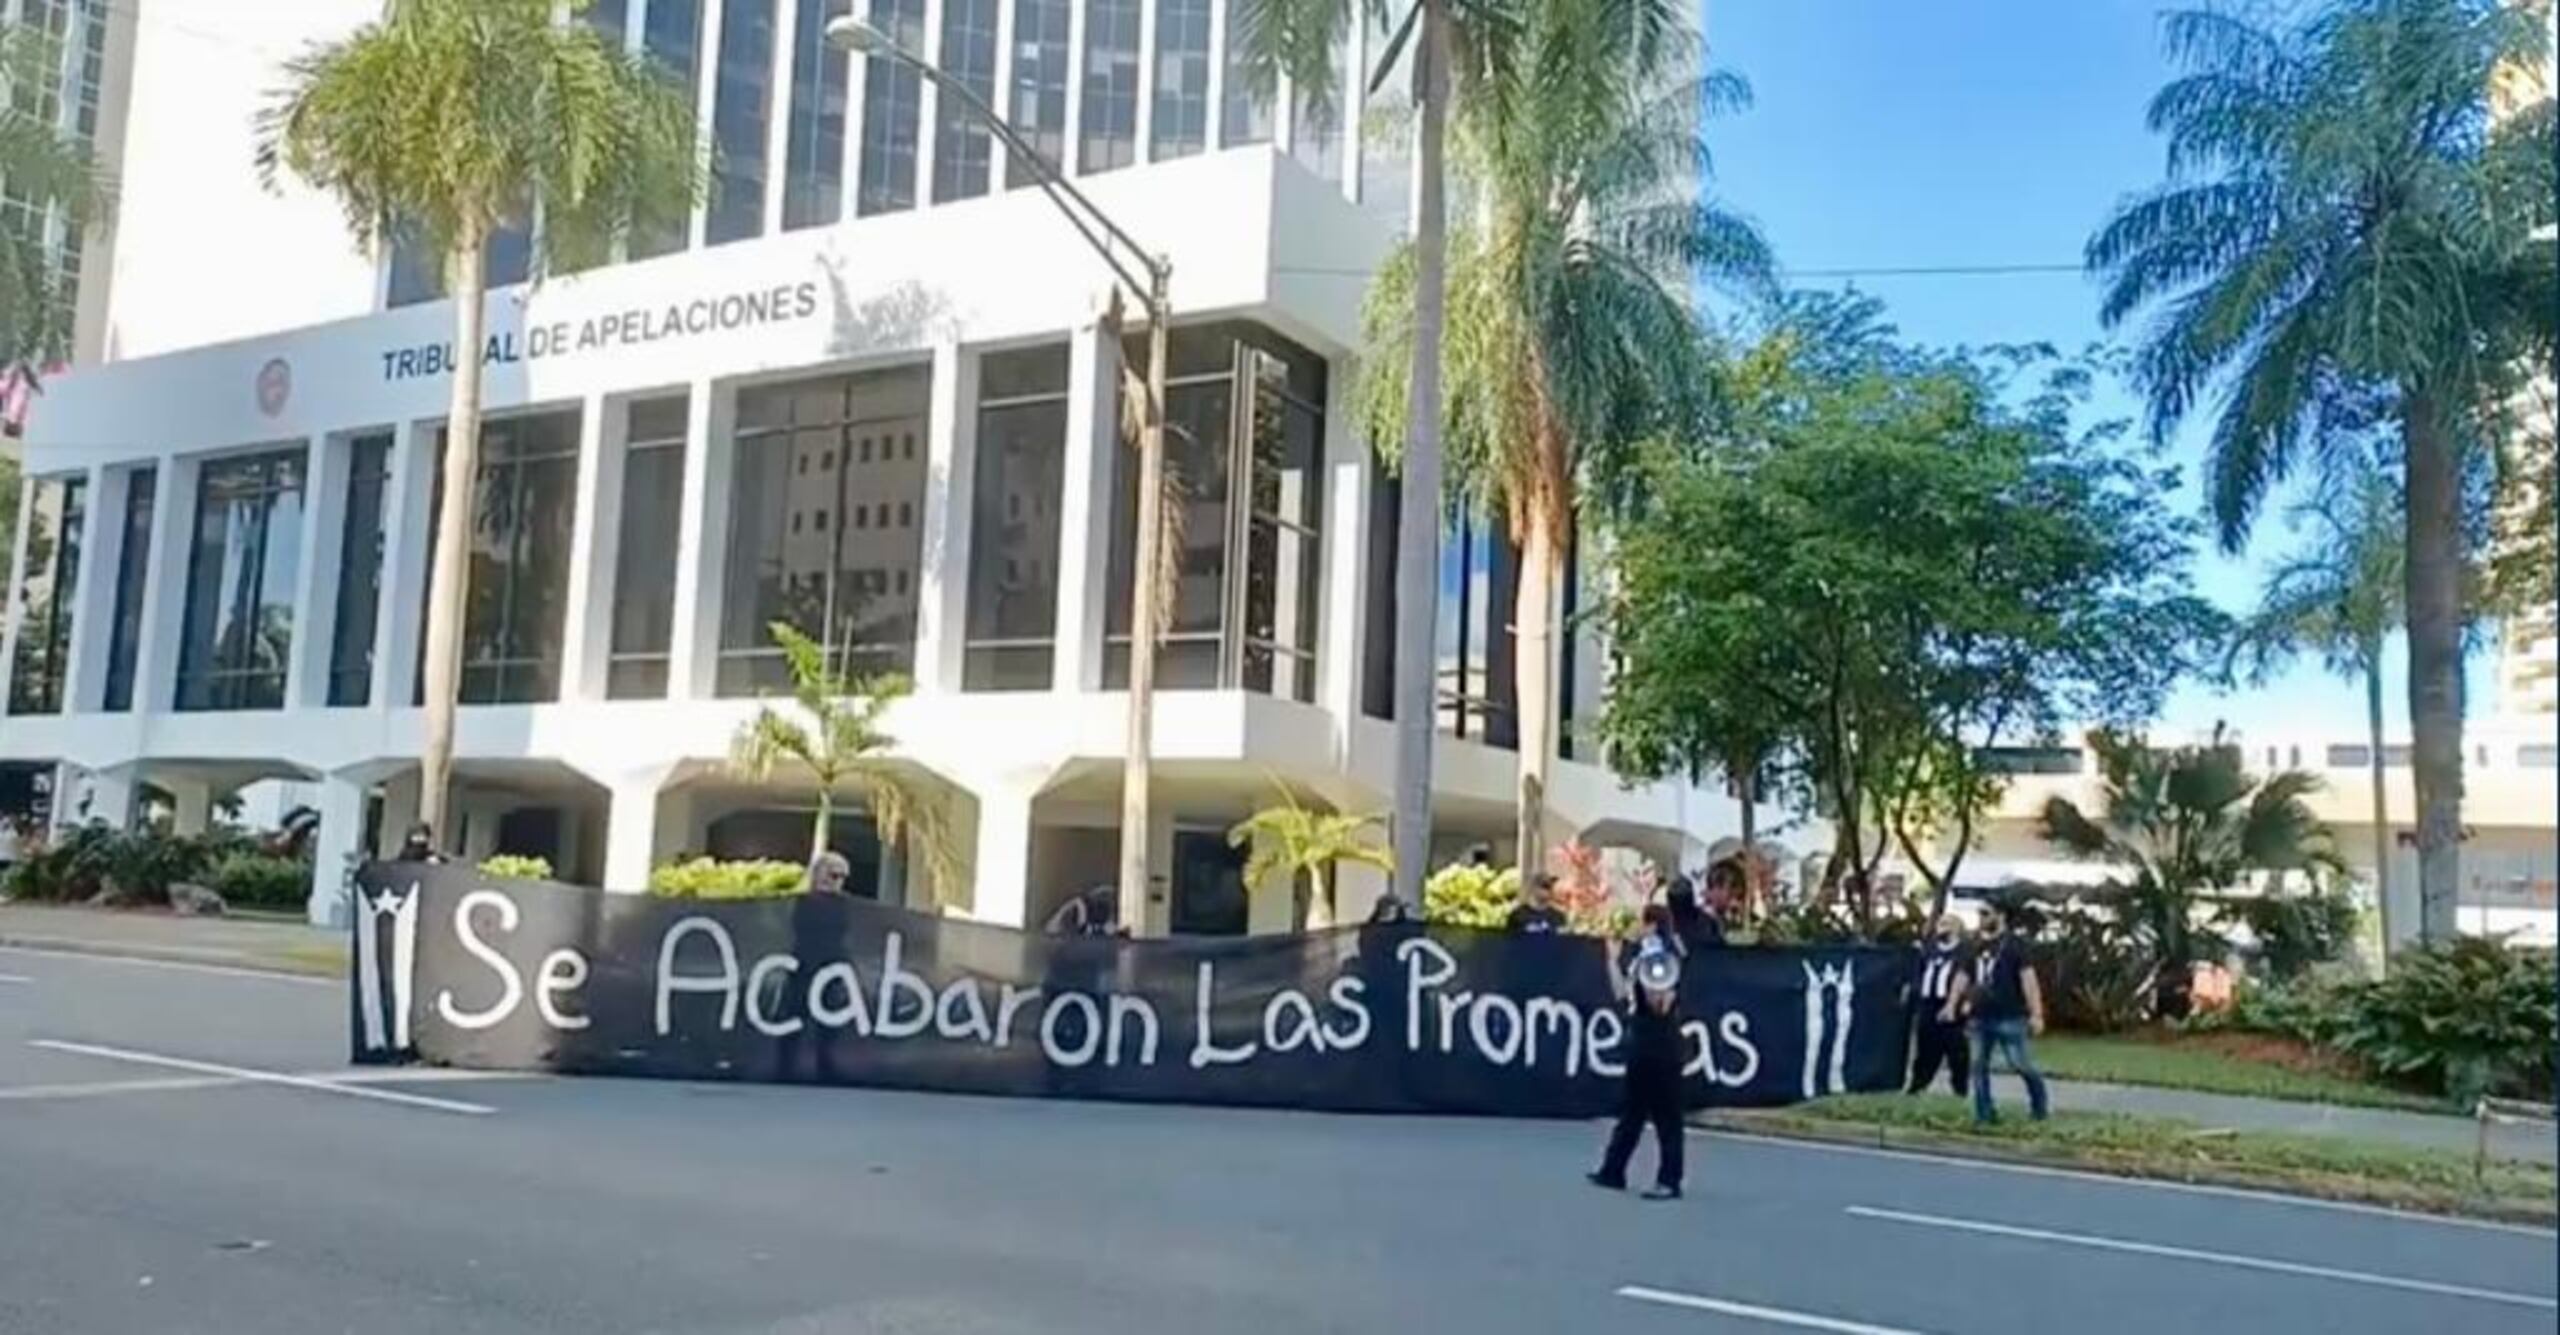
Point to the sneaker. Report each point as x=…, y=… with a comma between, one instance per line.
x=1606, y=1182
x=1661, y=1193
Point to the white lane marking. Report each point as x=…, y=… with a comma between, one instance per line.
x=2210, y=1258
x=173, y=1084
x=137, y=962
x=2115, y=1180
x=265, y=1077
x=1776, y=1316
x=15, y=978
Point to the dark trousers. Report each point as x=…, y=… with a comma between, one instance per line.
x=1654, y=1103
x=1940, y=1041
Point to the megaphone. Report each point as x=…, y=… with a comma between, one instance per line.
x=1657, y=967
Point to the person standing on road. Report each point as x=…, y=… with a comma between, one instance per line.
x=1655, y=1051
x=1937, y=1009
x=2008, y=1006
x=1536, y=914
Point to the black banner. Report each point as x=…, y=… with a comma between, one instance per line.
x=460, y=970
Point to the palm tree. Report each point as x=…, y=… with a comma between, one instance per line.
x=1574, y=337
x=2341, y=219
x=833, y=731
x=2339, y=599
x=1296, y=39
x=2185, y=823
x=1293, y=839
x=446, y=122
x=49, y=169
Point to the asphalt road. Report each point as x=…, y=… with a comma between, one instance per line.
x=141, y=1196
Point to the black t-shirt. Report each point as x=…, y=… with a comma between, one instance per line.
x=2000, y=991
x=1534, y=920
x=1940, y=967
x=1655, y=1048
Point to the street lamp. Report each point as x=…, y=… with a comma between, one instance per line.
x=1147, y=282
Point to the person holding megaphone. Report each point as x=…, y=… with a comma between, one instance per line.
x=1649, y=984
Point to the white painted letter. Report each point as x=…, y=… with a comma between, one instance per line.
x=1346, y=993
x=1491, y=1003
x=563, y=970
x=1123, y=1009
x=1291, y=1006
x=1597, y=1049
x=1205, y=1051
x=841, y=977
x=1010, y=1000
x=1735, y=1030
x=725, y=982
x=1092, y=1043
x=510, y=986
x=1444, y=966
x=1550, y=1013
x=755, y=997
x=896, y=983
x=962, y=1021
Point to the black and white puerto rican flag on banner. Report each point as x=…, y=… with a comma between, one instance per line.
x=456, y=969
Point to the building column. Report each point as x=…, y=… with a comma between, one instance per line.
x=315, y=602
x=1341, y=609
x=164, y=595
x=942, y=573
x=594, y=546
x=631, y=834
x=191, y=805
x=1084, y=507
x=338, y=845
x=1155, y=917
x=1001, y=868
x=701, y=546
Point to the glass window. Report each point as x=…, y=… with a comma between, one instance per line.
x=417, y=269
x=1378, y=652
x=610, y=19
x=133, y=580
x=1315, y=136
x=1037, y=105
x=46, y=587
x=516, y=594
x=1245, y=119
x=1110, y=127
x=1478, y=578
x=740, y=105
x=1181, y=124
x=671, y=34
x=237, y=635
x=962, y=146
x=2350, y=757
x=892, y=110
x=2538, y=755
x=1248, y=624
x=359, y=600
x=798, y=549
x=2030, y=759
x=644, y=570
x=813, y=173
x=1013, y=531
x=1386, y=137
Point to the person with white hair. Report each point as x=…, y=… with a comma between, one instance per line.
x=827, y=874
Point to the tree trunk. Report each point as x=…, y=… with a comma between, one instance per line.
x=826, y=824
x=1137, y=763
x=2435, y=564
x=2392, y=924
x=1533, y=635
x=447, y=581
x=1319, y=914
x=1417, y=661
x=1749, y=787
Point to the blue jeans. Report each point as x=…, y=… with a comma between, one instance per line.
x=2009, y=1039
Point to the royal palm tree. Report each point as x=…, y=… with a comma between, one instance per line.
x=43, y=165
x=832, y=730
x=2338, y=599
x=1573, y=335
x=2184, y=823
x=2342, y=219
x=448, y=121
x=1454, y=44
x=1294, y=839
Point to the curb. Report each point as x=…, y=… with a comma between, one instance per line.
x=1891, y=1140
x=222, y=959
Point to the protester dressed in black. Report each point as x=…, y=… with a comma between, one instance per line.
x=1655, y=1051
x=1937, y=1009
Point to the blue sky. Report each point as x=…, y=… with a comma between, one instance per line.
x=1894, y=134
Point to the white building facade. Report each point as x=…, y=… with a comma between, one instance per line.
x=868, y=393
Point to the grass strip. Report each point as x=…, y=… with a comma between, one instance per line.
x=2170, y=1149
x=2199, y=1064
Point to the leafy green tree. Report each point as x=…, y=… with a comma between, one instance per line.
x=2339, y=599
x=446, y=122
x=49, y=169
x=1573, y=336
x=1894, y=572
x=1295, y=840
x=2342, y=218
x=832, y=731
x=2185, y=823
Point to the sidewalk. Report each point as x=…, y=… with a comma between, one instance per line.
x=234, y=943
x=2531, y=1143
